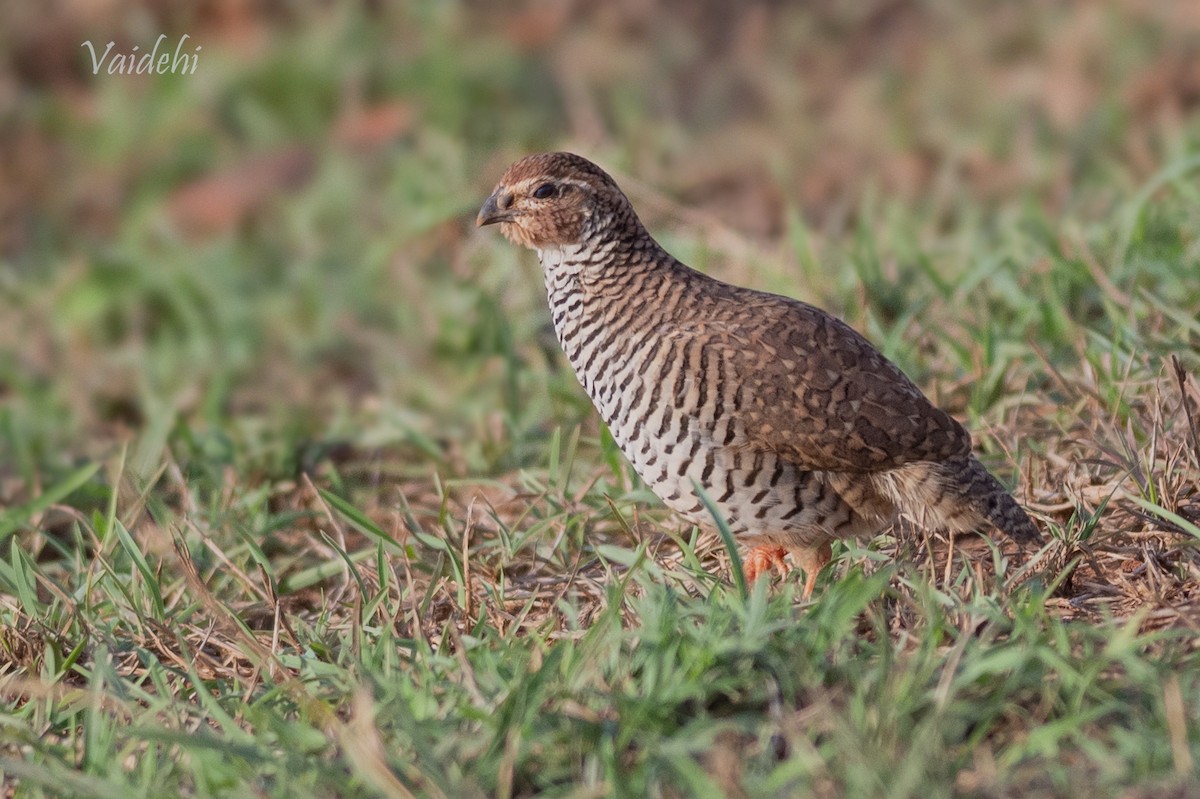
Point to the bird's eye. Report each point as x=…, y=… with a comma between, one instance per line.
x=544, y=191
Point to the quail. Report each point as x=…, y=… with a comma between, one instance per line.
x=797, y=428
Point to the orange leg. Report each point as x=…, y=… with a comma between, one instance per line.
x=760, y=560
x=811, y=561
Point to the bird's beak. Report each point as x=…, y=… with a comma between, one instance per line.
x=490, y=213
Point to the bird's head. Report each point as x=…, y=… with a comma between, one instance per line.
x=553, y=200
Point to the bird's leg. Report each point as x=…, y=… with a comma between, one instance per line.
x=811, y=560
x=760, y=559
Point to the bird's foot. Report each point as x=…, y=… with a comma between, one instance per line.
x=811, y=561
x=760, y=560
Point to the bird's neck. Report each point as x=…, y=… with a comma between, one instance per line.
x=590, y=285
x=567, y=261
x=567, y=287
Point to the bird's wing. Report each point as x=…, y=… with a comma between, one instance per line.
x=819, y=394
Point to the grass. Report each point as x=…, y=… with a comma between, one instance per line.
x=298, y=498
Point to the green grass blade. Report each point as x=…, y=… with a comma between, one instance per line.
x=11, y=520
x=735, y=559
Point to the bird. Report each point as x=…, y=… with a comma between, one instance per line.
x=799, y=430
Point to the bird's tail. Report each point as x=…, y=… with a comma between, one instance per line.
x=959, y=495
x=991, y=500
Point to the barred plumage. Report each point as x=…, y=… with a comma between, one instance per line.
x=797, y=427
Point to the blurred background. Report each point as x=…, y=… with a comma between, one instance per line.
x=270, y=263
